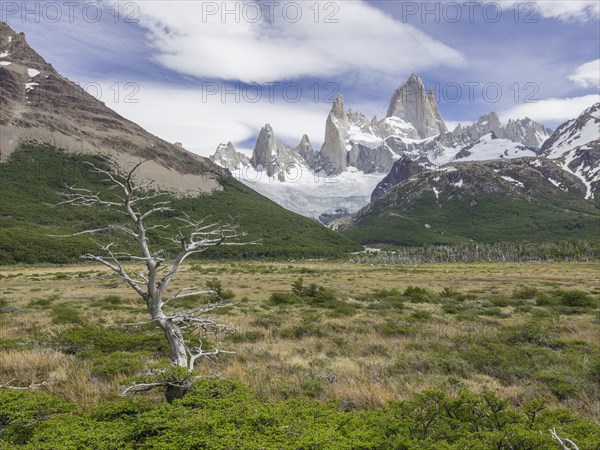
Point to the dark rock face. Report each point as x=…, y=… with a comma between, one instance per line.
x=576, y=146
x=402, y=170
x=328, y=218
x=570, y=130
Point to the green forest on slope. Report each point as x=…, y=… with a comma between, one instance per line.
x=35, y=174
x=492, y=218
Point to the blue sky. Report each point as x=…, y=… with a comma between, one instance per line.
x=187, y=73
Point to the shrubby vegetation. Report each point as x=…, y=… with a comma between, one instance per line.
x=222, y=414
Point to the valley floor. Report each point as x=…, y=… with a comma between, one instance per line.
x=372, y=335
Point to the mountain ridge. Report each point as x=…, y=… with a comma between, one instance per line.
x=361, y=148
x=39, y=104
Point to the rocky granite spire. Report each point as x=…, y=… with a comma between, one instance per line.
x=305, y=150
x=412, y=103
x=266, y=150
x=526, y=131
x=334, y=152
x=228, y=157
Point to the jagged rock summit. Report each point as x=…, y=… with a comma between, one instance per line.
x=412, y=103
x=228, y=157
x=334, y=152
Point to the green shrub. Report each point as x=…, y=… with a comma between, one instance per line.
x=396, y=328
x=449, y=292
x=416, y=294
x=20, y=412
x=575, y=299
x=247, y=336
x=225, y=414
x=558, y=385
x=40, y=303
x=220, y=293
x=387, y=293
x=283, y=298
x=118, y=363
x=500, y=302
x=107, y=412
x=64, y=314
x=75, y=340
x=527, y=293
x=546, y=300
x=215, y=393
x=312, y=291
x=421, y=315
x=112, y=300
x=497, y=312
x=528, y=333
x=312, y=388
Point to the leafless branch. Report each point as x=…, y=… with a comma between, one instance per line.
x=9, y=385
x=565, y=444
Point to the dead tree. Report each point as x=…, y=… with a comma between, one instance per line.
x=138, y=203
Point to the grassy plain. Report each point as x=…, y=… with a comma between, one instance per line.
x=520, y=330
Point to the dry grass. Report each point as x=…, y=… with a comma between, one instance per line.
x=351, y=359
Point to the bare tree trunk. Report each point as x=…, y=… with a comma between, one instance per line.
x=178, y=349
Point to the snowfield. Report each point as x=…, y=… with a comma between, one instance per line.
x=310, y=194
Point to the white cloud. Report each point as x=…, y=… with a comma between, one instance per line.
x=365, y=39
x=587, y=75
x=570, y=10
x=202, y=122
x=551, y=110
x=564, y=10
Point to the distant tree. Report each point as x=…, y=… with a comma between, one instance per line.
x=139, y=203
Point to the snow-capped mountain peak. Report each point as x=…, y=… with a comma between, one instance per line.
x=576, y=146
x=361, y=152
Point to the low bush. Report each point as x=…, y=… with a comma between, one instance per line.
x=219, y=292
x=65, y=314
x=223, y=414
x=416, y=294
x=118, y=363
x=575, y=299
x=527, y=293
x=105, y=339
x=283, y=298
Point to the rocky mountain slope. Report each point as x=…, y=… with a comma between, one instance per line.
x=523, y=199
x=357, y=153
x=38, y=103
x=575, y=146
